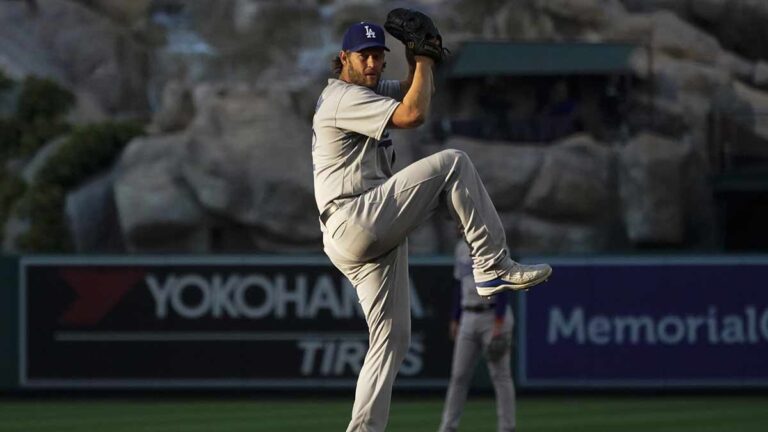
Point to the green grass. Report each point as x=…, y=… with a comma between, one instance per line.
x=535, y=414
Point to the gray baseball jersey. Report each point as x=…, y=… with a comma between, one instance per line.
x=351, y=149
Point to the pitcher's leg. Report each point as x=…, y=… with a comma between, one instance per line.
x=383, y=290
x=400, y=204
x=473, y=207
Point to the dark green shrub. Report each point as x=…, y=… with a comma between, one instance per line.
x=11, y=189
x=88, y=150
x=36, y=134
x=44, y=206
x=40, y=110
x=5, y=81
x=43, y=99
x=39, y=116
x=10, y=137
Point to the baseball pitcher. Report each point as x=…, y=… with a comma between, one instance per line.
x=366, y=211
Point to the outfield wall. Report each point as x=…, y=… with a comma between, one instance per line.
x=264, y=322
x=684, y=322
x=213, y=322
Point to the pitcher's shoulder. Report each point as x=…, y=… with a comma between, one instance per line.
x=333, y=91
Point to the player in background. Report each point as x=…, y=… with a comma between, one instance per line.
x=478, y=325
x=367, y=210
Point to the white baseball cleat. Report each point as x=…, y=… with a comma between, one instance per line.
x=518, y=277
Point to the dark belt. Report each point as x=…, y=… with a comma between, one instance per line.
x=328, y=212
x=479, y=308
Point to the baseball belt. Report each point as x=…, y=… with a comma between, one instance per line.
x=328, y=212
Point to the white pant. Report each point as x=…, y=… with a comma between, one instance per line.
x=366, y=240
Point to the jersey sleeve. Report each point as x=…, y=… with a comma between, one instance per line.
x=390, y=88
x=363, y=111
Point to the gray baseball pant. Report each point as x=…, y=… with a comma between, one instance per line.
x=366, y=240
x=475, y=332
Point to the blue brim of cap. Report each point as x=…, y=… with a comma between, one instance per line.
x=371, y=44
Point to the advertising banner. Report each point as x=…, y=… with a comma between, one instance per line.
x=647, y=323
x=213, y=322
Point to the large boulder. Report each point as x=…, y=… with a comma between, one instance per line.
x=176, y=108
x=76, y=47
x=683, y=76
x=556, y=198
x=157, y=211
x=681, y=39
x=709, y=11
x=758, y=101
x=245, y=28
x=665, y=33
x=575, y=182
x=227, y=166
x=269, y=174
x=528, y=234
x=223, y=178
x=124, y=12
x=739, y=67
x=636, y=28
x=642, y=6
x=661, y=114
x=741, y=27
x=585, y=12
x=92, y=216
x=760, y=74
x=470, y=19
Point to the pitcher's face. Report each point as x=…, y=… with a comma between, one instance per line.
x=363, y=67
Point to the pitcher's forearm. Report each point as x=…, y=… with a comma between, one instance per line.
x=420, y=93
x=405, y=84
x=417, y=100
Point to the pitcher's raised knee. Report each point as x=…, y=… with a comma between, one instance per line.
x=454, y=154
x=454, y=160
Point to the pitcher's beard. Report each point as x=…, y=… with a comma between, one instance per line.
x=361, y=79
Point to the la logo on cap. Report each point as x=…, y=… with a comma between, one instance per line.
x=362, y=35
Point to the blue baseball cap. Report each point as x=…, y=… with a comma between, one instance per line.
x=362, y=35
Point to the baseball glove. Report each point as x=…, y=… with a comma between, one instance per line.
x=417, y=32
x=497, y=347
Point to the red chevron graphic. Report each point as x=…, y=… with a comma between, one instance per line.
x=98, y=290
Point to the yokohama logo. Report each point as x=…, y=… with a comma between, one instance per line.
x=98, y=291
x=221, y=295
